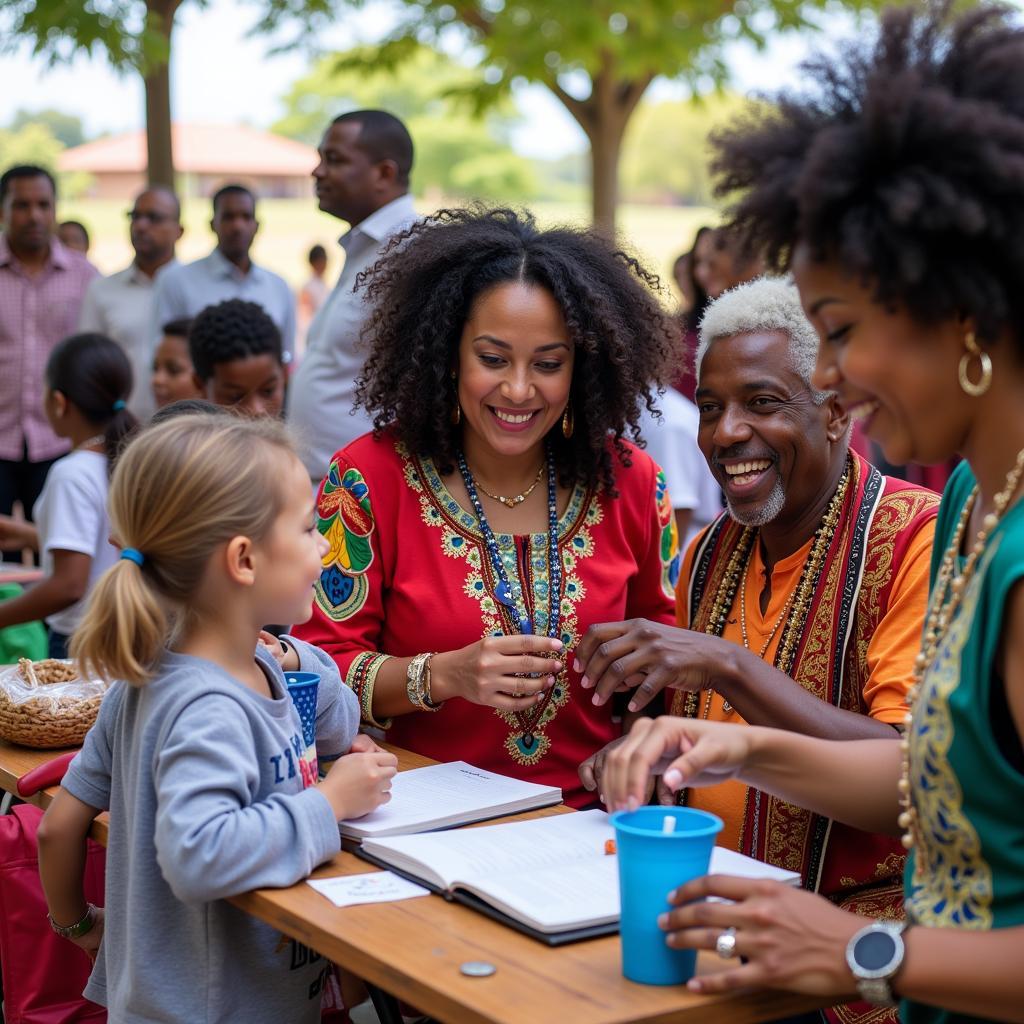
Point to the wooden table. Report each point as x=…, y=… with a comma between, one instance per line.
x=412, y=949
x=15, y=761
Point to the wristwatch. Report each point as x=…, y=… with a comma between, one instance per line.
x=874, y=955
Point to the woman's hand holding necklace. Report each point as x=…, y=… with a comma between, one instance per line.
x=511, y=673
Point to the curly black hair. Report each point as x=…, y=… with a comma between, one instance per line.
x=234, y=329
x=424, y=286
x=904, y=163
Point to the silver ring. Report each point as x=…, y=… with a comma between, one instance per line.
x=725, y=944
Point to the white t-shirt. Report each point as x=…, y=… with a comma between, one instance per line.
x=672, y=443
x=71, y=515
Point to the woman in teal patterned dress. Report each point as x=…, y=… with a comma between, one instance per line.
x=893, y=190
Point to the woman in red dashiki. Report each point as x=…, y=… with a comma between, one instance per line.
x=496, y=511
x=428, y=586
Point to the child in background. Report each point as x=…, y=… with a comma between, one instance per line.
x=74, y=235
x=312, y=295
x=198, y=750
x=237, y=360
x=88, y=380
x=173, y=376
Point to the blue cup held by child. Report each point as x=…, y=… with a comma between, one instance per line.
x=302, y=688
x=652, y=862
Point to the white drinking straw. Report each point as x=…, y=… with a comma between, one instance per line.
x=668, y=825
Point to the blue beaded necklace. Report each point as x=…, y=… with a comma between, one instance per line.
x=510, y=594
x=506, y=591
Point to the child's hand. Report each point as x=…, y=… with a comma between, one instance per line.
x=90, y=941
x=288, y=659
x=359, y=782
x=364, y=744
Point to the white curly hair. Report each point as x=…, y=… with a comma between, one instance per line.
x=764, y=304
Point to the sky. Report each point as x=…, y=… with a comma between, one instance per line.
x=219, y=74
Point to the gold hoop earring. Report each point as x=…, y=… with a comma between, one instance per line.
x=568, y=422
x=974, y=352
x=456, y=416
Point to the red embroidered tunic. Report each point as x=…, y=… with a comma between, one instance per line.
x=408, y=572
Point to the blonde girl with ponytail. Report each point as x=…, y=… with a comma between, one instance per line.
x=197, y=752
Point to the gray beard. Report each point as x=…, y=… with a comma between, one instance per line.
x=765, y=513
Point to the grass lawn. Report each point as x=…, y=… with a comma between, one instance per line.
x=290, y=226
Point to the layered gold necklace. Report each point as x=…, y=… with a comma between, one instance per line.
x=946, y=599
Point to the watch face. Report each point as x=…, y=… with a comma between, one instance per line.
x=875, y=950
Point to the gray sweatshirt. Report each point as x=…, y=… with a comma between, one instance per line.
x=204, y=782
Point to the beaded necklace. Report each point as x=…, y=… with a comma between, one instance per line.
x=743, y=615
x=803, y=595
x=510, y=593
x=940, y=614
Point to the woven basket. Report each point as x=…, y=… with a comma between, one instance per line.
x=53, y=719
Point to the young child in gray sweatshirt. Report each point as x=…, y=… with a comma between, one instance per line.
x=198, y=751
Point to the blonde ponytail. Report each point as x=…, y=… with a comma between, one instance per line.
x=180, y=490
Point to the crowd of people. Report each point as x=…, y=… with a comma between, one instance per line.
x=461, y=500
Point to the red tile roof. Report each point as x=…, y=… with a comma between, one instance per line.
x=198, y=149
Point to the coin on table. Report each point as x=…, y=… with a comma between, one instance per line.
x=477, y=969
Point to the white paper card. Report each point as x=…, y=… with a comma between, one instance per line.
x=374, y=887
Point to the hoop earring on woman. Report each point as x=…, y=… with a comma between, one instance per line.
x=974, y=352
x=568, y=422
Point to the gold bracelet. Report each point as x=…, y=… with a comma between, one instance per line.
x=424, y=687
x=417, y=686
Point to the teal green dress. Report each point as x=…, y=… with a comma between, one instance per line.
x=967, y=870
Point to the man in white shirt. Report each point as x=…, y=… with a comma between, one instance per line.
x=362, y=178
x=227, y=273
x=672, y=443
x=121, y=306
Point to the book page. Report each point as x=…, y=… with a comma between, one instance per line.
x=551, y=873
x=729, y=862
x=556, y=898
x=474, y=854
x=445, y=794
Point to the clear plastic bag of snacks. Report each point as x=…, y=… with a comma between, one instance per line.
x=47, y=704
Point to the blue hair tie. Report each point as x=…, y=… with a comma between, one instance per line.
x=133, y=555
x=118, y=405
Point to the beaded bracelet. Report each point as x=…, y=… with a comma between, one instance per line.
x=361, y=677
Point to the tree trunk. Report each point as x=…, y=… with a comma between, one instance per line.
x=159, y=148
x=603, y=116
x=605, y=148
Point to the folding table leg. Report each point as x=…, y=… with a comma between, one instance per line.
x=386, y=1005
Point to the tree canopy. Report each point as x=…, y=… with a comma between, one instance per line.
x=598, y=57
x=65, y=128
x=459, y=153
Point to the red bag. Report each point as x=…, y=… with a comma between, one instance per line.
x=43, y=974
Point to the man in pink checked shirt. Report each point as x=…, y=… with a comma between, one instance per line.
x=42, y=283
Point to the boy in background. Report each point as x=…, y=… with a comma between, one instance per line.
x=237, y=358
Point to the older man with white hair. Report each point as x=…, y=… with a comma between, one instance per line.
x=801, y=607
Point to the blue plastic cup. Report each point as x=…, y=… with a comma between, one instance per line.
x=302, y=687
x=653, y=862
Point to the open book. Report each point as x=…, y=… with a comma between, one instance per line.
x=444, y=795
x=549, y=877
